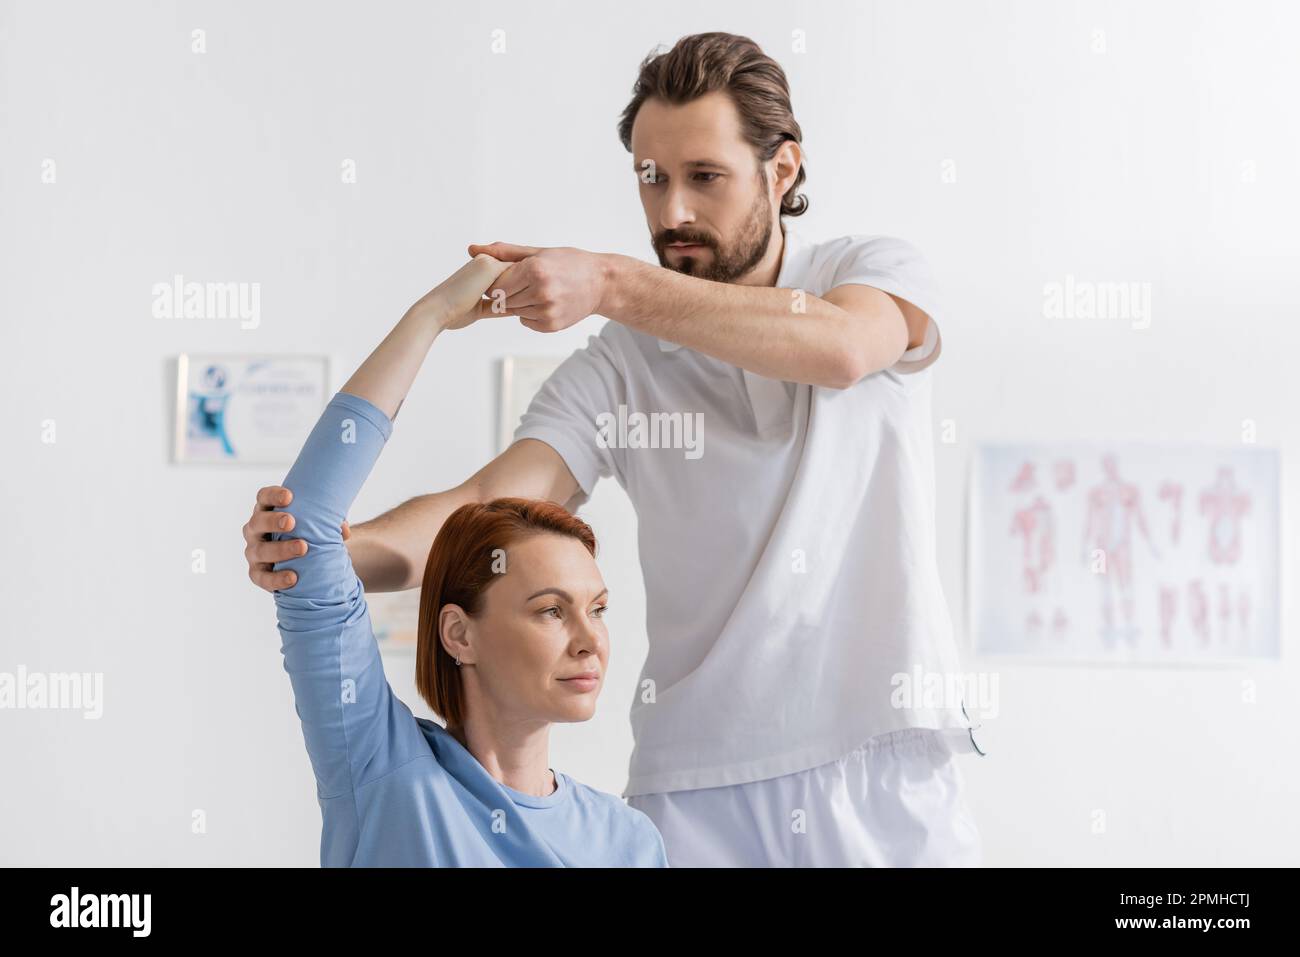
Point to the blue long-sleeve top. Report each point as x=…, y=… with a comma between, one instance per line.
x=397, y=790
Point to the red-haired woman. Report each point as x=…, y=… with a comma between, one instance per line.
x=511, y=640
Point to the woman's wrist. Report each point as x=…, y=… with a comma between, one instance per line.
x=429, y=314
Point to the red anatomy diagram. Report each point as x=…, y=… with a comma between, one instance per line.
x=1114, y=517
x=1034, y=522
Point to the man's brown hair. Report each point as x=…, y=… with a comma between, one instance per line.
x=706, y=62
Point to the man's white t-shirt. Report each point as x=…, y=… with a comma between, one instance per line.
x=789, y=554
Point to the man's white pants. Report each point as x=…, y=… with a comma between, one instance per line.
x=897, y=801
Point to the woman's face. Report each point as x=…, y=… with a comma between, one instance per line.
x=541, y=627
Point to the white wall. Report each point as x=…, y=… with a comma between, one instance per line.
x=1122, y=166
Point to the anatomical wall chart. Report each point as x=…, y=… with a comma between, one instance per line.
x=1143, y=553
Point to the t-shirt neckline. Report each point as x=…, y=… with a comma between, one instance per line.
x=518, y=797
x=534, y=800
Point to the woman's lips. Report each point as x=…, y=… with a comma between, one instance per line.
x=581, y=684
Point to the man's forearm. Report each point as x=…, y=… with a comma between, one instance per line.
x=389, y=552
x=778, y=333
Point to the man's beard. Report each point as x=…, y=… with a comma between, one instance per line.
x=725, y=265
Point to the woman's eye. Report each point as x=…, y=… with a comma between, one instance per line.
x=553, y=608
x=599, y=612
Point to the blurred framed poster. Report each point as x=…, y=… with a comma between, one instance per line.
x=395, y=617
x=521, y=377
x=247, y=409
x=1125, y=553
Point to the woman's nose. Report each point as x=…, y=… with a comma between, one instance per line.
x=589, y=634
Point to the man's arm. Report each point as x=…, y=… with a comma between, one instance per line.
x=389, y=552
x=833, y=340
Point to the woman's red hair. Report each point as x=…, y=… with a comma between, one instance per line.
x=463, y=562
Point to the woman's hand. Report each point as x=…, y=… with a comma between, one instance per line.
x=454, y=302
x=386, y=376
x=548, y=288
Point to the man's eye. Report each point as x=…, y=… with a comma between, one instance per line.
x=708, y=174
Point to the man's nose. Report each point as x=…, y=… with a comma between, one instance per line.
x=675, y=211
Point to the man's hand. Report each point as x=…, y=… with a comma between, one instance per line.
x=260, y=552
x=548, y=289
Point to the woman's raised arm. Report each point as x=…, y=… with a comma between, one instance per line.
x=354, y=727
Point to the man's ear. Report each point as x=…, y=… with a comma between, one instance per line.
x=785, y=166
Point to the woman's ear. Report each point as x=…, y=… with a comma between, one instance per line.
x=454, y=628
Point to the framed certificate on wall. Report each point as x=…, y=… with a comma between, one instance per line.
x=521, y=377
x=247, y=409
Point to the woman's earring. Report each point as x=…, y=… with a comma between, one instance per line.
x=458, y=662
